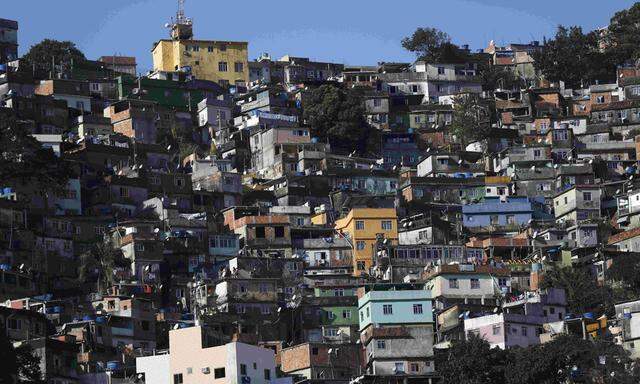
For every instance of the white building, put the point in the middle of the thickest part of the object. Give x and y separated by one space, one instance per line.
190 360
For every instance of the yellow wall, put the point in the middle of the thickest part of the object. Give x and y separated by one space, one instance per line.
372 218
167 54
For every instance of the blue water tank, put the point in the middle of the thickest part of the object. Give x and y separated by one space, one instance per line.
100 319
113 365
588 315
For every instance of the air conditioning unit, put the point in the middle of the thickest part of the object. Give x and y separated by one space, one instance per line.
206 370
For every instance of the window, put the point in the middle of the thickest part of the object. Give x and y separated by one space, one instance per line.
524 331
502 282
359 224
453 284
267 374
414 367
260 233
243 369
139 247
475 284
279 231
378 102
124 192
386 225
494 219
222 66
381 344
177 378
496 330
399 368
511 219
14 324
586 196
331 315
346 314
360 265
360 245
599 99
387 309
218 373
210 48
440 70
417 309
338 292
238 66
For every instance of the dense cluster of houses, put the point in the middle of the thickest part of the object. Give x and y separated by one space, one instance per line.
270 257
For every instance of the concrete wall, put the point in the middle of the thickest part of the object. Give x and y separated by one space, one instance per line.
156 369
488 286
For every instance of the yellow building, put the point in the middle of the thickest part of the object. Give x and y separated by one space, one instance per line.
225 62
363 226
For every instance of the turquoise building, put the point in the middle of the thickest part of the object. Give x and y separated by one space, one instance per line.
394 304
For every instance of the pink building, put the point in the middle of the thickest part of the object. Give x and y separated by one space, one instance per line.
191 360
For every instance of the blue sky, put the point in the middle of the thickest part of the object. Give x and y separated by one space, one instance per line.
346 31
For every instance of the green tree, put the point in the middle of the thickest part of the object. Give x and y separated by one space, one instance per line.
574 57
583 294
19 364
28 365
97 265
569 358
622 34
41 56
433 45
472 118
472 361
337 115
9 370
494 76
23 160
